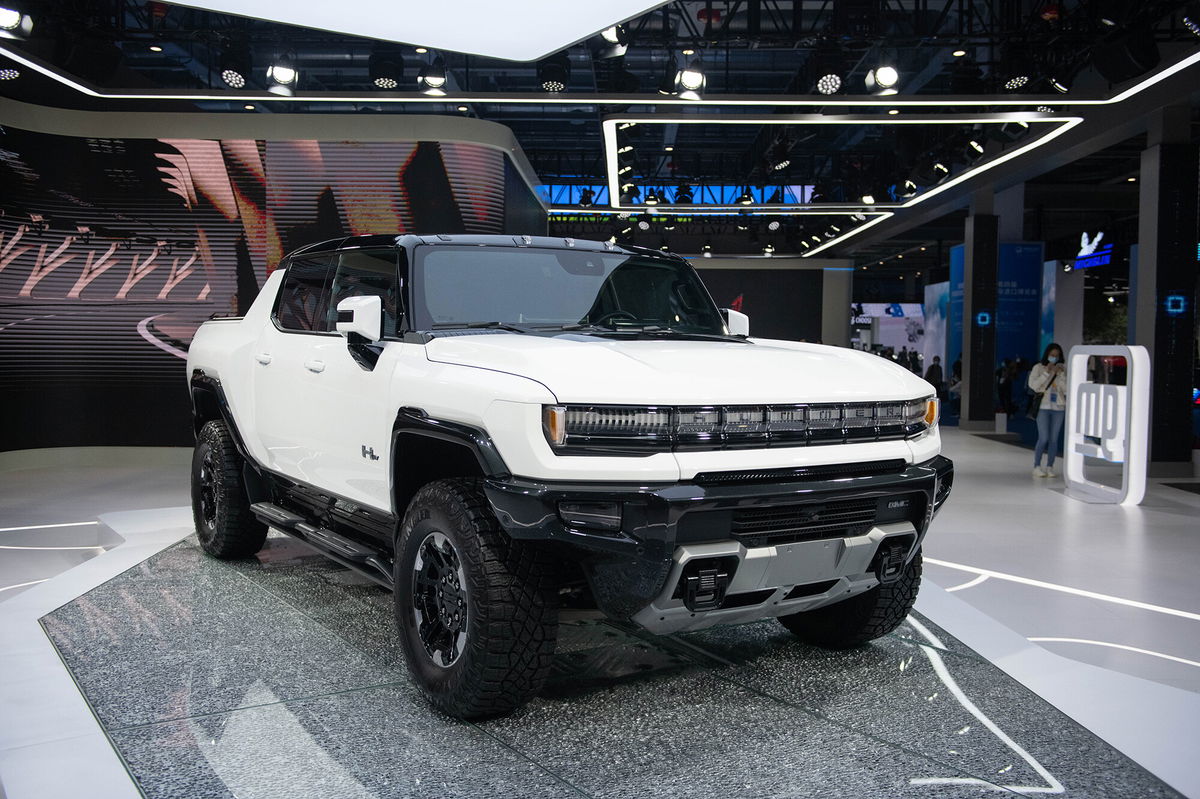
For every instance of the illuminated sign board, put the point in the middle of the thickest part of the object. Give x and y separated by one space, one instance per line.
1110 422
1092 252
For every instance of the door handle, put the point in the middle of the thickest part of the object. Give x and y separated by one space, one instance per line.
263 357
314 366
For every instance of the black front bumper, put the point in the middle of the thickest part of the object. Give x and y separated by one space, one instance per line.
628 567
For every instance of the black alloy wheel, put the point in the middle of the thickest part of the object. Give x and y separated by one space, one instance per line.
476 610
225 525
440 599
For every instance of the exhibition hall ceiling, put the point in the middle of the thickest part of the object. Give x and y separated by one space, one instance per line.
835 122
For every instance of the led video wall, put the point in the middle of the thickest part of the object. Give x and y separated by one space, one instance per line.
113 251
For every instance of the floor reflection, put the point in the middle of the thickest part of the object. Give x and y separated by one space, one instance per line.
282 676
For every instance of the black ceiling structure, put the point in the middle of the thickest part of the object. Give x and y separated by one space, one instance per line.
758 57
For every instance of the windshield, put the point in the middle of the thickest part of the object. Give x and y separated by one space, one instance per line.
538 288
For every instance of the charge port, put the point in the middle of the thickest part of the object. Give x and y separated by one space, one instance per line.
889 559
704 581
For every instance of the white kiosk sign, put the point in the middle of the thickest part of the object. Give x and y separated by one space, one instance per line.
1110 422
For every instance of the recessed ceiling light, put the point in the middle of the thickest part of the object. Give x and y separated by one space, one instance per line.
8 73
670 148
248 106
689 51
422 50
463 108
154 48
893 111
1131 180
959 53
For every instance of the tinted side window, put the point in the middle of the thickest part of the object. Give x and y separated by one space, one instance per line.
368 272
304 298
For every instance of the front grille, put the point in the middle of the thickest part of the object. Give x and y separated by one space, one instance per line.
832 471
785 524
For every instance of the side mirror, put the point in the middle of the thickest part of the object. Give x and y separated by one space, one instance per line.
362 315
736 321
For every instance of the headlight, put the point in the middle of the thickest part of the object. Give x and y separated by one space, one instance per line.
622 429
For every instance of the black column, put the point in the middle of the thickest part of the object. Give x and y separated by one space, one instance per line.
981 261
1175 304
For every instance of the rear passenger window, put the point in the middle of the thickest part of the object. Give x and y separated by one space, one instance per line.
304 298
368 272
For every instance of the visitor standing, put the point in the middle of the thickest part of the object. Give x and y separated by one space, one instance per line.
933 375
1049 379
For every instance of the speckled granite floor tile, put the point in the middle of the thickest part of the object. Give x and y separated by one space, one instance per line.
691 733
954 709
182 635
367 744
282 676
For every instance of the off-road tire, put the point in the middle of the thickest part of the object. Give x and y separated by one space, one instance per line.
511 621
224 524
854 621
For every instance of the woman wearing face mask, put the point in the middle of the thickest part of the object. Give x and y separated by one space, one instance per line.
1049 378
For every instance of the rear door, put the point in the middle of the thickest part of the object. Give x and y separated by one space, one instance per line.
287 369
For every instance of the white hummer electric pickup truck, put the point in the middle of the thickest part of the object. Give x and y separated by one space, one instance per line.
494 427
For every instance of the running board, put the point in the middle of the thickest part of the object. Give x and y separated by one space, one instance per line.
349 553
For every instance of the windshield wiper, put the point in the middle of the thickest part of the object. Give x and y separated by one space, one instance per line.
647 330
480 325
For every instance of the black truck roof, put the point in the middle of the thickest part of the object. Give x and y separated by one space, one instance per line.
476 240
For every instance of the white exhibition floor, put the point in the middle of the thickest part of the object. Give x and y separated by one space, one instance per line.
1010 560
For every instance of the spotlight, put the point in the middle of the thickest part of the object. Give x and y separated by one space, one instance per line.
155 48
8 73
1191 18
628 148
829 84
691 81
1016 82
683 195
706 251
804 243
868 198
612 42
908 188
664 247
431 79
235 65
883 79
773 225
386 69
554 73
644 222
283 76
651 198
586 198
746 199
779 156
625 170
1061 85
14 24
769 250
959 53
629 194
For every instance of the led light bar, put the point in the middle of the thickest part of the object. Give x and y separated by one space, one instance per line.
624 430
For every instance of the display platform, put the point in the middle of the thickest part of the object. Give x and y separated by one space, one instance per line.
282 676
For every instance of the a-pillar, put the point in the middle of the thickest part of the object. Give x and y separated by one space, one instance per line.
981 255
1162 286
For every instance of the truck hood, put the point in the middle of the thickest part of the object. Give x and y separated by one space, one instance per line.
590 369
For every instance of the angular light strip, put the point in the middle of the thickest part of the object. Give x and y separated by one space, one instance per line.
541 98
1062 125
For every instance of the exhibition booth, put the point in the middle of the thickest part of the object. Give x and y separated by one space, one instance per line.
641 374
